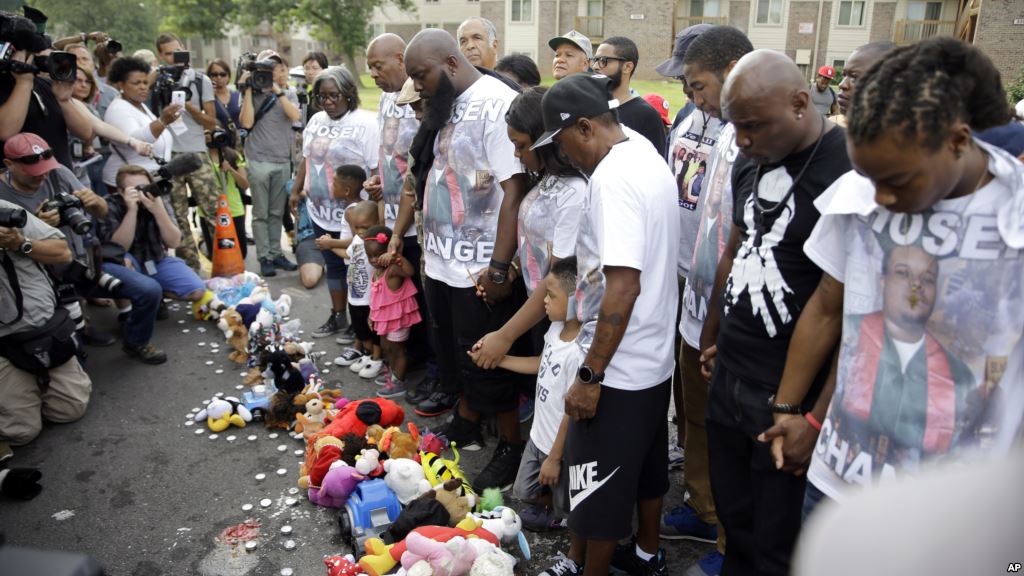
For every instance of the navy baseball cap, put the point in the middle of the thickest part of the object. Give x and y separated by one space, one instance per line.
673 67
581 95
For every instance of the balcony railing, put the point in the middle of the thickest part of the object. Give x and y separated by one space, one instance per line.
592 26
909 31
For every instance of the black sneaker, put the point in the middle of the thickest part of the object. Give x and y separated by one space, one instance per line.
267 268
422 391
501 471
93 336
436 404
563 566
336 322
162 313
145 352
465 435
625 559
284 263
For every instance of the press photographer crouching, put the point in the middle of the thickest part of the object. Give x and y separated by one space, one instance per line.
40 377
36 182
135 235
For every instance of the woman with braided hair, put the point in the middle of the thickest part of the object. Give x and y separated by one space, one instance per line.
920 303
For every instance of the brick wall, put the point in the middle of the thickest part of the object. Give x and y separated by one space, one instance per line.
999 38
739 14
494 10
800 12
653 34
547 28
882 21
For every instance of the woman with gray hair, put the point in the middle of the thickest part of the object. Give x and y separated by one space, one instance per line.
340 134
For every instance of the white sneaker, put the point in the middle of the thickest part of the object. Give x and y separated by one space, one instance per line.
348 357
371 368
359 363
676 458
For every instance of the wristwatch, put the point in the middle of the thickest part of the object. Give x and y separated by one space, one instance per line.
497 276
586 375
783 408
25 247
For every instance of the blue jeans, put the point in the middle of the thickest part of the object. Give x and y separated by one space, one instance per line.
812 497
145 294
173 275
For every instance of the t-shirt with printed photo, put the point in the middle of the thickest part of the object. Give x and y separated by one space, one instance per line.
472 157
714 209
559 364
398 126
629 220
771 278
692 142
359 273
549 217
933 313
327 144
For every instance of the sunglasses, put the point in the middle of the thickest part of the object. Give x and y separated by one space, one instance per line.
602 61
217 74
34 158
333 97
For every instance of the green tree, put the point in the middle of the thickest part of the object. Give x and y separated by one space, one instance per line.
134 23
343 24
205 18
1015 89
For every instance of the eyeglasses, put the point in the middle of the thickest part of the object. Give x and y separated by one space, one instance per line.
217 74
34 158
332 96
602 61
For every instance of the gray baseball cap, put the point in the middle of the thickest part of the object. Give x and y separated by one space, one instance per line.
673 67
575 38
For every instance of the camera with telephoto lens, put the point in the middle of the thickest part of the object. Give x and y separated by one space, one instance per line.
71 212
261 73
220 138
18 33
108 282
13 217
112 46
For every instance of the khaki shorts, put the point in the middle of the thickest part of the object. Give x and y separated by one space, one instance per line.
24 406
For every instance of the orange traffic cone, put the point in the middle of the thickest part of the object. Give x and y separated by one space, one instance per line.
227 256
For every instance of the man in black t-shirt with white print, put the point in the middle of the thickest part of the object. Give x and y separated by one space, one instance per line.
790 154
617 58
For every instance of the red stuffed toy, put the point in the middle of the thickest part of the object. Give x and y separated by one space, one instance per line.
339 565
357 416
328 455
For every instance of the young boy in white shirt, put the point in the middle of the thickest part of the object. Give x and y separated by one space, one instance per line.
540 481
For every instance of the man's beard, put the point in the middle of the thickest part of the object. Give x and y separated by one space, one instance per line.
440 104
616 79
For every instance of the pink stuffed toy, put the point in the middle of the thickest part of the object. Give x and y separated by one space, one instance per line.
338 484
452 558
339 565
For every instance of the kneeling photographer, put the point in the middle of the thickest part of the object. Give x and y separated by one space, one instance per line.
36 182
40 377
135 235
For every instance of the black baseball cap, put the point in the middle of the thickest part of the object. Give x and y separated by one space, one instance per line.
581 95
673 67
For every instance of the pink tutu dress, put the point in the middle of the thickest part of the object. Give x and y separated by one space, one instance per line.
392 311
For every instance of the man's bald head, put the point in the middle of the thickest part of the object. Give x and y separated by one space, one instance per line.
432 43
766 99
385 58
857 64
433 53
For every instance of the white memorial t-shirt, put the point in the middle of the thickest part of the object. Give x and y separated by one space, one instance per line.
559 363
549 217
398 126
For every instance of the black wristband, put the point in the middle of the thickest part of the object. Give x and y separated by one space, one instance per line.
499 266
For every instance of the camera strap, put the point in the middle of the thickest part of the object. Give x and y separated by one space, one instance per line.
265 107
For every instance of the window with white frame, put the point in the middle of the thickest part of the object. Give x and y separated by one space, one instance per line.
769 12
702 8
851 12
522 10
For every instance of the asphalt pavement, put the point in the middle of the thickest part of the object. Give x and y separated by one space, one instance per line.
136 487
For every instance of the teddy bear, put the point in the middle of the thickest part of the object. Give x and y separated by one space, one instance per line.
236 334
398 444
338 484
457 505
222 412
373 435
368 463
313 420
405 478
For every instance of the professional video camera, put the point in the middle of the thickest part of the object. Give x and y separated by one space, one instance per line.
261 73
18 33
13 217
179 166
71 212
174 77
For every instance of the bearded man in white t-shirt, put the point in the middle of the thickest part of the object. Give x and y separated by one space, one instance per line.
471 196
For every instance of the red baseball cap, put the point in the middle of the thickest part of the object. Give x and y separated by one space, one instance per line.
28 146
661 105
827 71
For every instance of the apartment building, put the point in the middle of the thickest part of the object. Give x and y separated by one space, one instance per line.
812 32
293 46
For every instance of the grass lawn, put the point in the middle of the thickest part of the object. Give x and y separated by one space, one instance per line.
670 90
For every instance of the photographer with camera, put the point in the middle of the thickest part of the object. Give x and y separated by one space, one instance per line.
268 110
39 374
176 78
229 169
137 232
35 88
